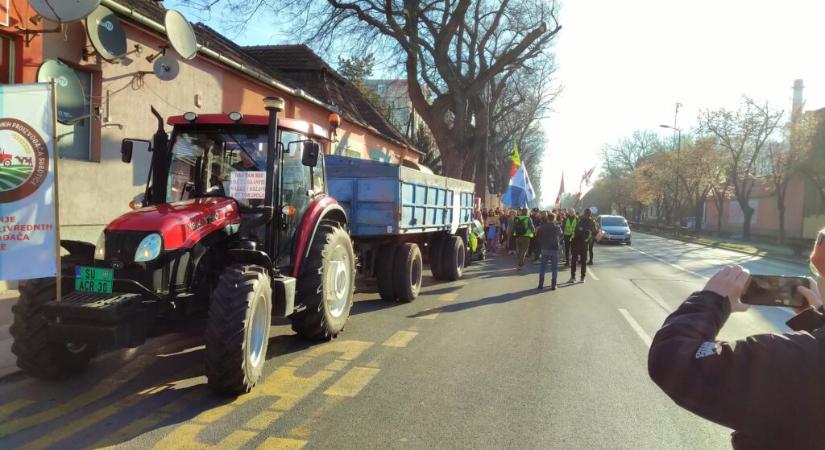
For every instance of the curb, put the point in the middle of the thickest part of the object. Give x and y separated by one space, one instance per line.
762 254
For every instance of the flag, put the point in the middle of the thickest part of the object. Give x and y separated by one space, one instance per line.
516 160
588 174
561 191
520 192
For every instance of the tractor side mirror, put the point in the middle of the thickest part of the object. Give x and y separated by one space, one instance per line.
310 155
127 147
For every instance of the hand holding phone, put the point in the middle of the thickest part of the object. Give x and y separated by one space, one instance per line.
775 290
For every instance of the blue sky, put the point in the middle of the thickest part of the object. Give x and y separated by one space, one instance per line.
624 65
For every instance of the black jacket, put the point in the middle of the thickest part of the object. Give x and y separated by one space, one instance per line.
549 236
768 387
585 230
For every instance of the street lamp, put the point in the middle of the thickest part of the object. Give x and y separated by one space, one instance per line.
678 158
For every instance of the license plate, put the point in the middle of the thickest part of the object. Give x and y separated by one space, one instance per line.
93 279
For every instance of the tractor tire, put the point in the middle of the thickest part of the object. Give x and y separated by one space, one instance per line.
326 287
385 274
453 256
409 270
237 332
37 356
435 257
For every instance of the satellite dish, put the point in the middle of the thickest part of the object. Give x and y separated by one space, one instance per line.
71 103
64 10
166 68
106 34
181 35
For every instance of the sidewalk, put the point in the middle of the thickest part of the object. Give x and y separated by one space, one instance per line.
765 250
7 360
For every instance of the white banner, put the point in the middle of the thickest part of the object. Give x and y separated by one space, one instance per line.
247 185
27 196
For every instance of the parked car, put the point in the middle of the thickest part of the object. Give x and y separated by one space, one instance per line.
615 229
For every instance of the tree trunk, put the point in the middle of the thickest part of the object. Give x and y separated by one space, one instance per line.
720 210
746 227
699 215
780 207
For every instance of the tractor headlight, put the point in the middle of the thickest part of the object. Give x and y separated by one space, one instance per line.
100 247
149 248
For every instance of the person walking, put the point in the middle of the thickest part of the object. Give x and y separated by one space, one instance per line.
585 231
523 231
569 226
549 237
592 243
511 237
493 228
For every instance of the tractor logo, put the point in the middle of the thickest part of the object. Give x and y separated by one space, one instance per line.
24 160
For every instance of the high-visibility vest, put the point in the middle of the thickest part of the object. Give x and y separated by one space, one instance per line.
570 226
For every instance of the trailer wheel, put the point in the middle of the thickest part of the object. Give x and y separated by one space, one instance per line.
453 256
37 356
435 258
327 286
237 332
409 270
385 274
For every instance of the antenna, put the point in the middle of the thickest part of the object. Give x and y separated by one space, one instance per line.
60 11
181 35
166 68
71 103
106 34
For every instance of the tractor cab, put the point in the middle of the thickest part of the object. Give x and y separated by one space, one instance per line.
234 226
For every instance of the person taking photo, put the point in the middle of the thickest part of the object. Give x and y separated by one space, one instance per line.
768 388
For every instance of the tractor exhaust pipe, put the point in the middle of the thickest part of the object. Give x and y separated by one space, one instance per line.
273 105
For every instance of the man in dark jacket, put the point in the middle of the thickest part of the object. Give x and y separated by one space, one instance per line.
548 238
585 231
769 388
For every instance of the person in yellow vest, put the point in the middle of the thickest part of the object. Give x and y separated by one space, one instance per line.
523 231
568 225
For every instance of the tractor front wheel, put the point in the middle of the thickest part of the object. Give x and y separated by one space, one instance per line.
37 356
327 285
237 333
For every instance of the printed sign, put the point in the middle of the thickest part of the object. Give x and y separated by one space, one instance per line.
27 197
247 185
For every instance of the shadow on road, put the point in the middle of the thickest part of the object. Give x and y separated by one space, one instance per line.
457 307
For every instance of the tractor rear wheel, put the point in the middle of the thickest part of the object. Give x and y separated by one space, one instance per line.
384 273
237 333
408 272
327 285
37 356
453 256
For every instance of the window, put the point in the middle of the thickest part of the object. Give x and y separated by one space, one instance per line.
7 56
74 140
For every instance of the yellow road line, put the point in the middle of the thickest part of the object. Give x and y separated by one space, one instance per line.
13 406
352 382
448 297
430 316
263 420
282 444
304 429
400 339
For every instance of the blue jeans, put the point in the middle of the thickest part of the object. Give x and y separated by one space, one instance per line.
552 257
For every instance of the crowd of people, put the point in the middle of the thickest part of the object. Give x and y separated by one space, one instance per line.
544 236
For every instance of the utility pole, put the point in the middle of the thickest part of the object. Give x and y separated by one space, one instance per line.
678 131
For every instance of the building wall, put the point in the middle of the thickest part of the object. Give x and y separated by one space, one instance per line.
765 221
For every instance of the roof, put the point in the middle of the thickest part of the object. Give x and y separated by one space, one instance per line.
308 71
296 66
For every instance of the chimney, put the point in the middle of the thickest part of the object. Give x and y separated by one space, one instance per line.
797 98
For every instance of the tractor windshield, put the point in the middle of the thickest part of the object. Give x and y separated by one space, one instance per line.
203 161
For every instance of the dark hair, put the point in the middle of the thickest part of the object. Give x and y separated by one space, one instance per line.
551 217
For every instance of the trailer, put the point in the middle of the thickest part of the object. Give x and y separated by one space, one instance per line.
400 218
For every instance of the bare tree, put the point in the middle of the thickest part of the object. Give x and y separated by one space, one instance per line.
451 49
743 134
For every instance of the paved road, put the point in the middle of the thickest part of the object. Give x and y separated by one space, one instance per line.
487 362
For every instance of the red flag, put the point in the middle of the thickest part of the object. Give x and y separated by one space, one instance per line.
561 191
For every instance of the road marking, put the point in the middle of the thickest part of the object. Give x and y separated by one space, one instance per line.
658 302
636 327
675 266
400 339
282 444
352 382
428 316
13 406
592 274
448 297
304 429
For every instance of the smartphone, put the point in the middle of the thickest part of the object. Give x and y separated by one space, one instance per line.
775 290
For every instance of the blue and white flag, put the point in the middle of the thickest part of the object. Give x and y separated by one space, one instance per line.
520 192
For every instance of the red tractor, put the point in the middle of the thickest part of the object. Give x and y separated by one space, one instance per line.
236 228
